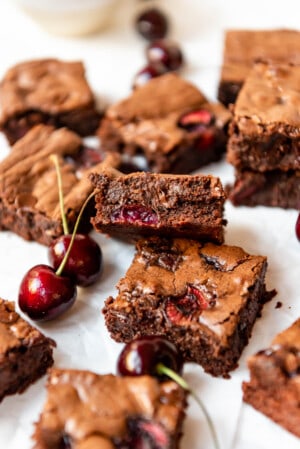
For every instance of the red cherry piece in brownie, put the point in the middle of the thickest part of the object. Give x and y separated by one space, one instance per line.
186 307
194 120
134 214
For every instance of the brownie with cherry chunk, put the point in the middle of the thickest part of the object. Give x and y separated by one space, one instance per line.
141 204
87 410
29 199
242 48
46 91
274 385
168 121
204 298
264 142
25 353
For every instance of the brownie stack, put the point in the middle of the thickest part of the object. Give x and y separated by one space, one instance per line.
264 142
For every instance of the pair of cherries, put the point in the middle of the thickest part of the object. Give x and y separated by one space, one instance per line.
162 55
76 260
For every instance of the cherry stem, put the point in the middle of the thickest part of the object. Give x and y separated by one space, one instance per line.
64 261
54 159
164 370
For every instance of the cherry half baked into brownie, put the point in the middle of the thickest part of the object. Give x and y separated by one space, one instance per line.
274 385
25 353
170 122
86 410
204 298
142 204
46 91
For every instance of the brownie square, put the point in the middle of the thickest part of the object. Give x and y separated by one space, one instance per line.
170 122
203 297
264 143
274 385
25 353
141 204
86 410
29 201
46 91
244 47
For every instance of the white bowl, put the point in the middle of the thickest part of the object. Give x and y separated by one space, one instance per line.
70 17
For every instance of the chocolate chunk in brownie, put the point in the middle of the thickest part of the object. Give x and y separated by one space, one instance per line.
46 91
29 201
264 143
170 122
141 204
86 410
204 298
244 47
274 385
25 353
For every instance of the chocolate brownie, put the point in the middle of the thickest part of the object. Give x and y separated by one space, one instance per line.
25 353
244 47
170 122
264 143
203 297
46 91
141 204
274 385
29 204
86 410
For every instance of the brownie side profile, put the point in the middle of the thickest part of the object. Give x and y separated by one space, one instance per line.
46 91
25 353
204 298
275 189
244 47
29 201
86 410
265 130
169 122
141 204
274 385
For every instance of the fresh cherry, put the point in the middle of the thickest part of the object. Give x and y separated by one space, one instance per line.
142 356
157 356
165 53
146 74
84 262
297 228
152 24
43 295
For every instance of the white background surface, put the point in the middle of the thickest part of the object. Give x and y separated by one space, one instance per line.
112 58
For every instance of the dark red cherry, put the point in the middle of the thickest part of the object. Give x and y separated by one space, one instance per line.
43 295
142 355
298 227
152 24
165 53
134 213
84 263
146 74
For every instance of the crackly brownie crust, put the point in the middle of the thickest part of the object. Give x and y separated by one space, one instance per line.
150 122
275 189
141 204
86 410
25 353
244 47
203 297
46 91
29 204
265 130
274 385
